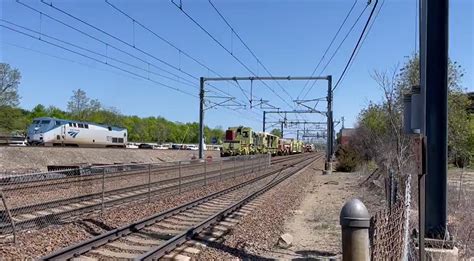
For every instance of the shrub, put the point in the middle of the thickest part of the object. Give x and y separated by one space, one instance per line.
347 158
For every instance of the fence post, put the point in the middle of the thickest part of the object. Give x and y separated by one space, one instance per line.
9 214
205 172
235 159
149 182
220 169
179 177
355 223
103 192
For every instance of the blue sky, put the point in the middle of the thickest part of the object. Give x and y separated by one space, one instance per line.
289 37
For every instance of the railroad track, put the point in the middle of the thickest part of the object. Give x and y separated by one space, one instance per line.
156 236
44 214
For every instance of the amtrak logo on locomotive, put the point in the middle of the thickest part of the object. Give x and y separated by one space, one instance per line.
73 133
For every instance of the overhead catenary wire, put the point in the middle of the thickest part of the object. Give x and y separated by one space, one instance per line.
94 52
329 46
367 34
168 42
338 48
97 60
128 73
107 44
226 49
357 45
247 47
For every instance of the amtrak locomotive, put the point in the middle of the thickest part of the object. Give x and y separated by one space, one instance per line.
48 131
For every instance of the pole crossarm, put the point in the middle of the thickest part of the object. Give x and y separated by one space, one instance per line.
298 111
262 78
262 103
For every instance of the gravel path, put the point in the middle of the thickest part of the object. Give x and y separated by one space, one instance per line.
306 206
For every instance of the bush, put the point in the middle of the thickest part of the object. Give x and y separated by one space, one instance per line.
347 158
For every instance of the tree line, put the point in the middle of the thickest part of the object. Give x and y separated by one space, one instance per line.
15 120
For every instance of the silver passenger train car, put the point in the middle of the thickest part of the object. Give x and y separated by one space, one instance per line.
48 131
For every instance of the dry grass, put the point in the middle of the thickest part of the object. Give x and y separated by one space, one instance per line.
461 210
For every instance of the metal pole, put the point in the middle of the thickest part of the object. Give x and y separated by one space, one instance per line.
201 117
330 120
235 158
281 129
103 191
179 177
9 214
329 141
149 182
205 171
422 175
355 223
297 134
220 169
436 118
264 118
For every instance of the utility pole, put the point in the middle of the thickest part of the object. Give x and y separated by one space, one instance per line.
264 118
436 91
330 126
281 129
201 117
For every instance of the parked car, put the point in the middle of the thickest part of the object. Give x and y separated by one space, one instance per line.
145 146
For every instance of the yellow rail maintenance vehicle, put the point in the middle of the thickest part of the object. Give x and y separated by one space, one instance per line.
238 141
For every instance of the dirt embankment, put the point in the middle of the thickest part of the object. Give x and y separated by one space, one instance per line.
20 159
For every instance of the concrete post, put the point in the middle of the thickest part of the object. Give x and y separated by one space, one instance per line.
355 223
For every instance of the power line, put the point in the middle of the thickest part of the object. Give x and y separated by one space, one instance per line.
247 47
169 43
337 48
357 45
329 46
97 60
107 44
116 48
94 52
367 34
225 48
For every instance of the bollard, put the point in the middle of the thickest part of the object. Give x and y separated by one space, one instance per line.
355 223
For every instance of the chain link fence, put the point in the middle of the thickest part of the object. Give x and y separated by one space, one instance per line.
40 199
389 227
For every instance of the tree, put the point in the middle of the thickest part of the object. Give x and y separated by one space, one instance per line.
9 81
276 132
78 104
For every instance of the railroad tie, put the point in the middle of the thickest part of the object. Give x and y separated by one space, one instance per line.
112 254
142 240
125 246
177 257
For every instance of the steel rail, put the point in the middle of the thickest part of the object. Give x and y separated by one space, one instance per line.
178 240
85 246
43 220
23 179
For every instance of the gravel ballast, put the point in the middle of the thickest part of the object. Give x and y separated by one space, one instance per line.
282 209
37 243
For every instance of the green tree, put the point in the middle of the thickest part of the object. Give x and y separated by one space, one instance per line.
276 132
9 81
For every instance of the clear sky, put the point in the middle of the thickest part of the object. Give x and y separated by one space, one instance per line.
289 37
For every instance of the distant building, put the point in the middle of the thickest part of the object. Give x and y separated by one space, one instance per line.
346 134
